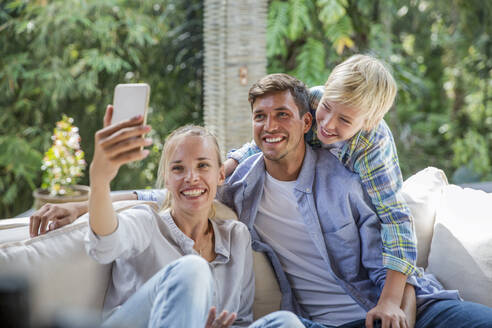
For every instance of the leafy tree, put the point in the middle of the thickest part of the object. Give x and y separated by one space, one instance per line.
66 57
440 55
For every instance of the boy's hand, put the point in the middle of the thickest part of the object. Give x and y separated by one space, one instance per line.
224 320
229 166
390 314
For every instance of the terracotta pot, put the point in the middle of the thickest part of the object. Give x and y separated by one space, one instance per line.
42 196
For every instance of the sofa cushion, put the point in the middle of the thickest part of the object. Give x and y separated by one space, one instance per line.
422 192
58 270
461 250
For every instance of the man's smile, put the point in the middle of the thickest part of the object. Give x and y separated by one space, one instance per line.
272 140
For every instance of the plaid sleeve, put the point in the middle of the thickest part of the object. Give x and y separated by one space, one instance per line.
378 167
247 150
154 195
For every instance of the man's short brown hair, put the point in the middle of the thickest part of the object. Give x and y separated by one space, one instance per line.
281 82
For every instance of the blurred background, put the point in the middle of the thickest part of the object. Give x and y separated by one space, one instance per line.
65 57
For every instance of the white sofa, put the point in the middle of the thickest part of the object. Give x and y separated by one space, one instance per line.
453 227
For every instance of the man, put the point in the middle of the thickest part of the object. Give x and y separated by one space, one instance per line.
316 225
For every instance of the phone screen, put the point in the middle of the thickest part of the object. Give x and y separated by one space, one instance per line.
129 101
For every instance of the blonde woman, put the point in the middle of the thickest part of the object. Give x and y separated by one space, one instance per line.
174 268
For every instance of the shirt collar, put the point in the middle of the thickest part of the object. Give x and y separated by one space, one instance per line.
222 232
305 178
183 241
222 235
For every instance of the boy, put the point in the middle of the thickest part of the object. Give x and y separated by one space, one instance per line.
349 115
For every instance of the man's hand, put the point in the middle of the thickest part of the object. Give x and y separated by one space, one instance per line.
224 320
391 316
53 216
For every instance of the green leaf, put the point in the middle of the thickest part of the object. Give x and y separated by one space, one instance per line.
300 21
342 28
278 20
311 67
20 159
10 195
331 11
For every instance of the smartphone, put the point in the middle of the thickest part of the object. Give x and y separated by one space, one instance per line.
129 101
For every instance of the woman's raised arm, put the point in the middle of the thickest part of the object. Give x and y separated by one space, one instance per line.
114 145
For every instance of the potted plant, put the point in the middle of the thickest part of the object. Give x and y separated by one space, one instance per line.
63 165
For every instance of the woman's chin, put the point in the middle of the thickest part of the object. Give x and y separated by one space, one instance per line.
195 206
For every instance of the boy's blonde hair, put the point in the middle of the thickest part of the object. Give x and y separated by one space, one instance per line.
170 146
363 82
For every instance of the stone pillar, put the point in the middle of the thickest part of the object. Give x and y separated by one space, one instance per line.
235 57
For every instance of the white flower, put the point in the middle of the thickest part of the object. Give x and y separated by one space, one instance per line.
30 26
73 142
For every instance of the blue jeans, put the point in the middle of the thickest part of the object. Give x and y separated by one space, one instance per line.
180 295
456 314
354 324
440 314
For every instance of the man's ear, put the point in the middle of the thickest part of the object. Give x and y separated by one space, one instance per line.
222 175
307 119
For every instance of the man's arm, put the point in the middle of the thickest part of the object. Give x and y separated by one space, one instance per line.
53 216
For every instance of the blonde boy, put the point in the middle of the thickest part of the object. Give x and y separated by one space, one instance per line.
349 113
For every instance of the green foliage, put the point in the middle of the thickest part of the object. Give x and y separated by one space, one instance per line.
19 167
472 149
278 20
63 164
67 56
440 52
331 12
299 19
311 68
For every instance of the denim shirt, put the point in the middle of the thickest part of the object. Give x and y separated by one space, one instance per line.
340 219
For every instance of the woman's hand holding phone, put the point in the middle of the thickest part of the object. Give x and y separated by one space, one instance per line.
118 144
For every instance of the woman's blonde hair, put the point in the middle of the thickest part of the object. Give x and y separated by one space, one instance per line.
363 82
169 147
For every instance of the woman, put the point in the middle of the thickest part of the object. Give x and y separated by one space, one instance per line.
172 268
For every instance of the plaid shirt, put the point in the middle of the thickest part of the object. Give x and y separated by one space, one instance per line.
372 155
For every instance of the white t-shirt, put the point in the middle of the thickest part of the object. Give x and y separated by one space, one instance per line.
279 224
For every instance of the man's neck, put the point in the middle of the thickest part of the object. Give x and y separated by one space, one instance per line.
288 168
